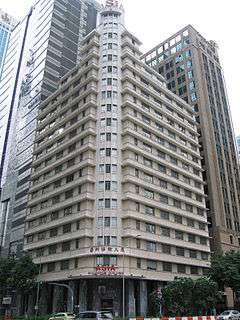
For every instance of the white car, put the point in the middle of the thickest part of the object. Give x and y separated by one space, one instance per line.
62 316
229 315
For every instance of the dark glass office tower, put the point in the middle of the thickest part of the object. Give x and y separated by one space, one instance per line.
51 48
191 66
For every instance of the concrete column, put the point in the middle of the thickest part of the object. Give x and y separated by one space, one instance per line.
143 298
82 295
130 312
57 303
31 304
19 304
43 300
69 302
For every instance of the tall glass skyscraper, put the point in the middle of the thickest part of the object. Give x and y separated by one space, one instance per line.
42 49
7 23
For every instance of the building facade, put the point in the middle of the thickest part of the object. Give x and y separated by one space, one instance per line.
7 23
47 48
191 66
116 205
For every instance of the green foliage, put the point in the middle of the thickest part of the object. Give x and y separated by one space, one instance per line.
225 270
6 267
206 294
185 296
154 303
17 274
177 296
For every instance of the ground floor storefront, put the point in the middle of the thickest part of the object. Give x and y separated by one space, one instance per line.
95 294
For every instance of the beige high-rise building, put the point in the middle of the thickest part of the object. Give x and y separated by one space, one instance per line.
116 206
192 69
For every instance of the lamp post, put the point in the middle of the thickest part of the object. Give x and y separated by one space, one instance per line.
38 290
70 290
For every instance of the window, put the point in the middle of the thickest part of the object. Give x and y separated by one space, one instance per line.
106 260
189 207
178 235
138 243
201 226
67 211
190 223
180 251
67 228
149 210
148 194
138 225
70 178
167 266
107 203
193 270
181 268
177 218
54 215
147 162
193 254
66 246
114 203
200 212
204 255
162 168
173 160
164 215
151 246
166 248
203 241
175 188
163 183
150 228
64 265
174 174
53 232
188 193
51 266
138 263
191 238
68 194
163 199
165 232
151 265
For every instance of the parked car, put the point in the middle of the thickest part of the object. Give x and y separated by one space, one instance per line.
62 316
95 315
229 315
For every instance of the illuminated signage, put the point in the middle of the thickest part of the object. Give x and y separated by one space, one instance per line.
107 270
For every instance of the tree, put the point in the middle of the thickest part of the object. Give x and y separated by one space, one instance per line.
6 267
206 295
17 274
225 270
177 296
185 296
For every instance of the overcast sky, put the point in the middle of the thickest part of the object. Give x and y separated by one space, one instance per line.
154 20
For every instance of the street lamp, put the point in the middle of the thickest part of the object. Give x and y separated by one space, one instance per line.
70 290
38 290
123 280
